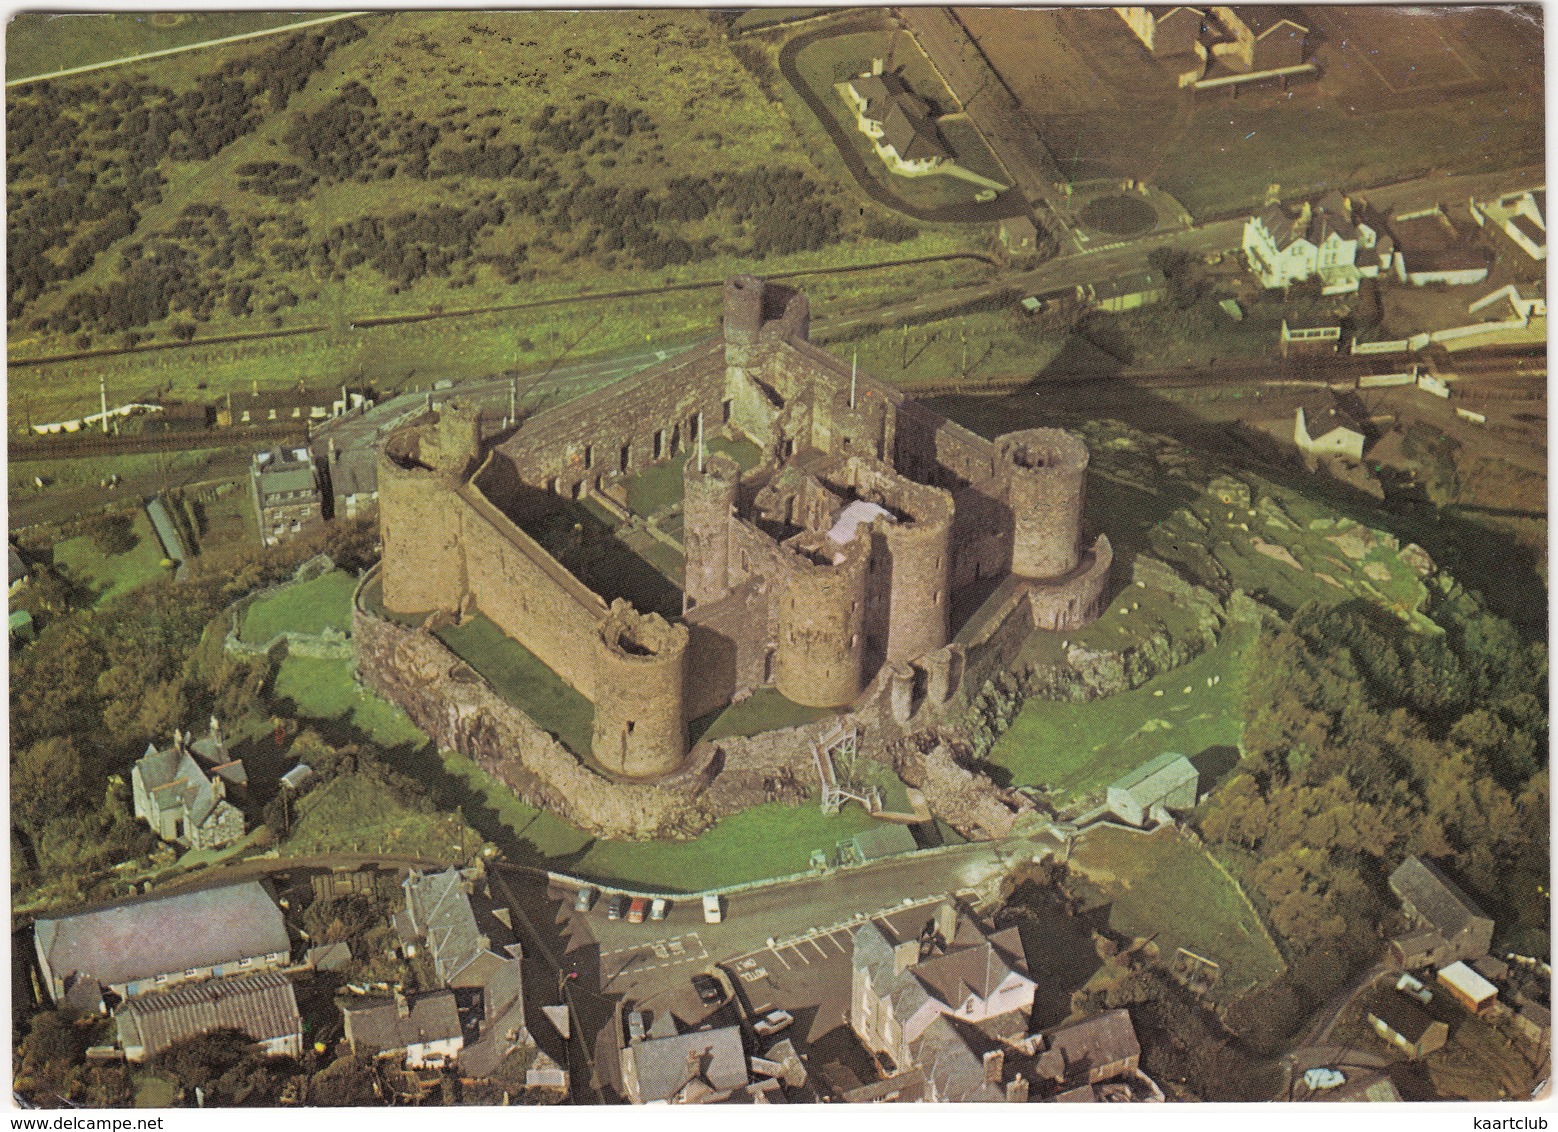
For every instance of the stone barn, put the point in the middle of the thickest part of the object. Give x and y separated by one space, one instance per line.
1154 789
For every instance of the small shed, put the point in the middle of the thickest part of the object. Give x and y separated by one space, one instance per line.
1168 782
1468 988
1323 428
884 839
1126 292
1019 235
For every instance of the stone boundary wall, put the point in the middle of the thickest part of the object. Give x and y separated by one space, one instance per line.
449 700
331 644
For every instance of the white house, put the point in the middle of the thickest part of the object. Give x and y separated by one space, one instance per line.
897 121
1522 216
1321 240
1322 429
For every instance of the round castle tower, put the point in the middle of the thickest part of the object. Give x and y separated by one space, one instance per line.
1046 479
743 319
821 611
640 673
708 502
418 466
919 549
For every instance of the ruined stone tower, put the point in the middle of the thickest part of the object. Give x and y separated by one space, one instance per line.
708 502
419 467
821 611
1046 476
919 557
640 674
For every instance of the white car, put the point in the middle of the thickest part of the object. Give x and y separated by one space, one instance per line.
711 909
772 1022
659 908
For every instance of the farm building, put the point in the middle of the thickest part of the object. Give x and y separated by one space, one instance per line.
262 1005
1406 1025
1139 289
1432 902
1429 249
1148 793
1522 216
1468 988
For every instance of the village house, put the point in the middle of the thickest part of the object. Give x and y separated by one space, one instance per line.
1322 427
897 121
698 1067
439 922
1176 37
181 791
1222 45
138 946
1522 216
1403 1023
1447 924
425 1028
1321 240
1153 790
1429 249
1094 1050
352 476
903 983
263 1006
1259 38
284 489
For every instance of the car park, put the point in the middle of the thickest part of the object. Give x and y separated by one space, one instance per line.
712 913
584 898
659 908
709 989
617 906
772 1022
637 909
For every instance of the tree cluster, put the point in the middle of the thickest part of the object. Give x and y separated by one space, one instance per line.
1365 743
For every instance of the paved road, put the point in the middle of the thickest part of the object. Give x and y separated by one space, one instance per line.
1326 1022
187 47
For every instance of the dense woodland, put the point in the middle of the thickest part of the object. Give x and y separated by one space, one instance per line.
1364 743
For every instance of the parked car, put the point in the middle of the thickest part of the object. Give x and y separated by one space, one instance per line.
709 989
637 909
585 898
617 906
711 909
772 1022
659 908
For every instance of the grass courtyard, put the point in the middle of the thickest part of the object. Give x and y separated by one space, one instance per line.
1163 886
310 607
1076 749
112 575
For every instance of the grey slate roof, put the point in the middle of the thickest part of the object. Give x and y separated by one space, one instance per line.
951 1055
1401 1014
438 909
375 1024
1077 1050
160 935
665 1064
261 1005
1435 897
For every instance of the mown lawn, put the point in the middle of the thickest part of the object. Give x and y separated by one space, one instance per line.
764 710
324 689
311 607
1074 749
1163 885
520 677
119 573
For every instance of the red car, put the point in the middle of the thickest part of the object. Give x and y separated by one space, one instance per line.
637 909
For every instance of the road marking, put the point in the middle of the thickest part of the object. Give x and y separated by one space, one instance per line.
779 957
818 946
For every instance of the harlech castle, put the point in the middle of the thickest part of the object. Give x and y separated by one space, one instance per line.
829 569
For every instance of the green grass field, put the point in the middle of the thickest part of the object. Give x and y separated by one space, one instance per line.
1163 886
764 710
38 43
324 689
522 679
118 574
656 488
351 814
311 607
1075 749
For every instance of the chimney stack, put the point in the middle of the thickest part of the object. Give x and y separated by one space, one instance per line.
402 1007
995 1065
1017 1090
905 955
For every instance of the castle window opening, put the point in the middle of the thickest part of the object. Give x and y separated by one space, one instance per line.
676 439
551 484
626 456
631 725
659 443
725 411
578 490
589 456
